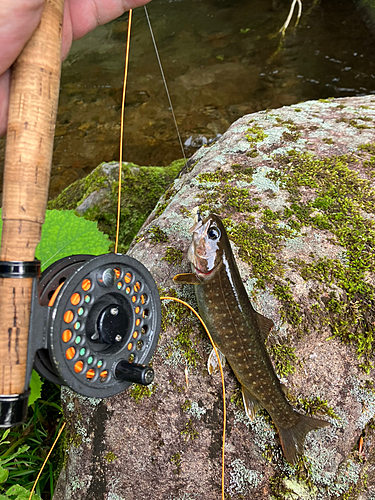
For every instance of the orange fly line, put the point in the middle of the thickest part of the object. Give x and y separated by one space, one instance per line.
161 298
222 382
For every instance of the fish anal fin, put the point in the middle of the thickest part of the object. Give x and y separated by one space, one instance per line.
212 363
293 438
284 389
265 324
251 404
187 279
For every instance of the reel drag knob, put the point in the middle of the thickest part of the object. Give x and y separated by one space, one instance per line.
132 372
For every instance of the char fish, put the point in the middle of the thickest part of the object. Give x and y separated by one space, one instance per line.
239 333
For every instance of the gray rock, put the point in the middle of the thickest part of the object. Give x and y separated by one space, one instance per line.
296 189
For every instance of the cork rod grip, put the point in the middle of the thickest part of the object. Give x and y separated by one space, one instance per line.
34 93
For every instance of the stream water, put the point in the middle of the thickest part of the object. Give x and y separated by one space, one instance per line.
222 59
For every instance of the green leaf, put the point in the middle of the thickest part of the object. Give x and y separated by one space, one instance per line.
16 489
65 234
21 449
35 387
4 436
3 497
4 473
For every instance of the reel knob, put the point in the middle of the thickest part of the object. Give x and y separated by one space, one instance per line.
139 374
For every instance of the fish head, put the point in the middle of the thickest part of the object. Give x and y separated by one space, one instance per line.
207 247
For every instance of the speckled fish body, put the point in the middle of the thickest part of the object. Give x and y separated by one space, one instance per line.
240 332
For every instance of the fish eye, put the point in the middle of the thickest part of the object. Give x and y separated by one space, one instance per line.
214 233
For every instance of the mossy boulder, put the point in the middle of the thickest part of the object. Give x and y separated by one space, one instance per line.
295 188
95 197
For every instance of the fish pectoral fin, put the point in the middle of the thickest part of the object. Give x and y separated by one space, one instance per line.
251 404
212 363
187 279
265 324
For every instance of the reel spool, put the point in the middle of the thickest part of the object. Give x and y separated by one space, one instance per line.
101 325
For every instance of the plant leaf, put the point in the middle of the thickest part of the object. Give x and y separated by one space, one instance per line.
4 473
65 234
20 450
16 489
4 436
35 387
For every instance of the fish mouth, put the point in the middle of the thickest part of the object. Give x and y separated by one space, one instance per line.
203 273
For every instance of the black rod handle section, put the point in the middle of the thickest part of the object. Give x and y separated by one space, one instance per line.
132 372
13 409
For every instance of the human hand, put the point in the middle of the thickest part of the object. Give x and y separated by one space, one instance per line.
20 18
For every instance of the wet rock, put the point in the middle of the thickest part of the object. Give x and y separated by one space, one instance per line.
295 187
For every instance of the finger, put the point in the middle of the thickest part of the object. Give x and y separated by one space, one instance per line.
4 101
86 15
18 21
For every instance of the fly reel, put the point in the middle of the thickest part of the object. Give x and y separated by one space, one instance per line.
101 319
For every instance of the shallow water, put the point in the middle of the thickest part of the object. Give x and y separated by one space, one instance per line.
222 59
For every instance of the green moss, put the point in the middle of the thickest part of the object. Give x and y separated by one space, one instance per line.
164 201
189 432
291 310
340 199
176 461
186 405
258 248
316 405
236 398
354 122
181 345
110 457
285 358
255 134
141 189
253 153
157 235
173 256
138 392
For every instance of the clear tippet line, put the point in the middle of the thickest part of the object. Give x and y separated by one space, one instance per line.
165 83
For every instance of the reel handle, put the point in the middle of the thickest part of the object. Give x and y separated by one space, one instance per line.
34 93
135 373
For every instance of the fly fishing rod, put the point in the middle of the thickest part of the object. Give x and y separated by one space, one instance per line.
89 322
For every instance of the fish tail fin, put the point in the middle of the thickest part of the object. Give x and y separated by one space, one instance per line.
293 438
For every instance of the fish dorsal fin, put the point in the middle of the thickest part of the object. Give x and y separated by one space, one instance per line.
265 325
212 364
187 279
251 404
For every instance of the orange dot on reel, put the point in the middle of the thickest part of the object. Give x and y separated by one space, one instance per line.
70 353
128 277
104 374
75 299
68 316
78 367
66 335
86 285
90 374
130 345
